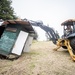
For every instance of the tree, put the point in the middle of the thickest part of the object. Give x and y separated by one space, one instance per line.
57 34
6 11
35 35
48 36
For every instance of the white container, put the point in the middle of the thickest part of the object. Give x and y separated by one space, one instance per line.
28 44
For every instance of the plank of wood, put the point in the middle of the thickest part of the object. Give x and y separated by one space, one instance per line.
19 44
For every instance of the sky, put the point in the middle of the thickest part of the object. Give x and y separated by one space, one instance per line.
51 12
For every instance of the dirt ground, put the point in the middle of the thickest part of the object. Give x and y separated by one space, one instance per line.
41 60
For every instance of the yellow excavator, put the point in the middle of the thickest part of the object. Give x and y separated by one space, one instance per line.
68 38
67 41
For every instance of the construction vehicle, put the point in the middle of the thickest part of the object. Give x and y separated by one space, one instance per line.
68 38
67 41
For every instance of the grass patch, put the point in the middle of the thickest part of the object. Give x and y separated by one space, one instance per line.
31 53
32 66
34 53
34 41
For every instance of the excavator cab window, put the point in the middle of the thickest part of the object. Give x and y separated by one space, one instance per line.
68 29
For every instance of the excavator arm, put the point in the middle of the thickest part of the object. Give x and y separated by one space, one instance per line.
51 33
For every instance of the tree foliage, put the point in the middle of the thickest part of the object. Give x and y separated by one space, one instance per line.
35 35
6 11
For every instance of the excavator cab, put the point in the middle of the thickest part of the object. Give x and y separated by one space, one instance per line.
68 39
69 28
69 32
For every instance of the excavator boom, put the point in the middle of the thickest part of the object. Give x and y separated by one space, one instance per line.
50 31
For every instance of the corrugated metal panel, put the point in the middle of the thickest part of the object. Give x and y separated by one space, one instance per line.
25 24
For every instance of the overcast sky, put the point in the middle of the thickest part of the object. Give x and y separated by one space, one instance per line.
52 12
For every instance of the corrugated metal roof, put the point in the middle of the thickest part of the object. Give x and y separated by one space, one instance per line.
25 24
68 22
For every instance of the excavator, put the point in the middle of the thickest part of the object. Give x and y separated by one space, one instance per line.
67 41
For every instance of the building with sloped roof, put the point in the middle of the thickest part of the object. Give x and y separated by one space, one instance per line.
15 37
